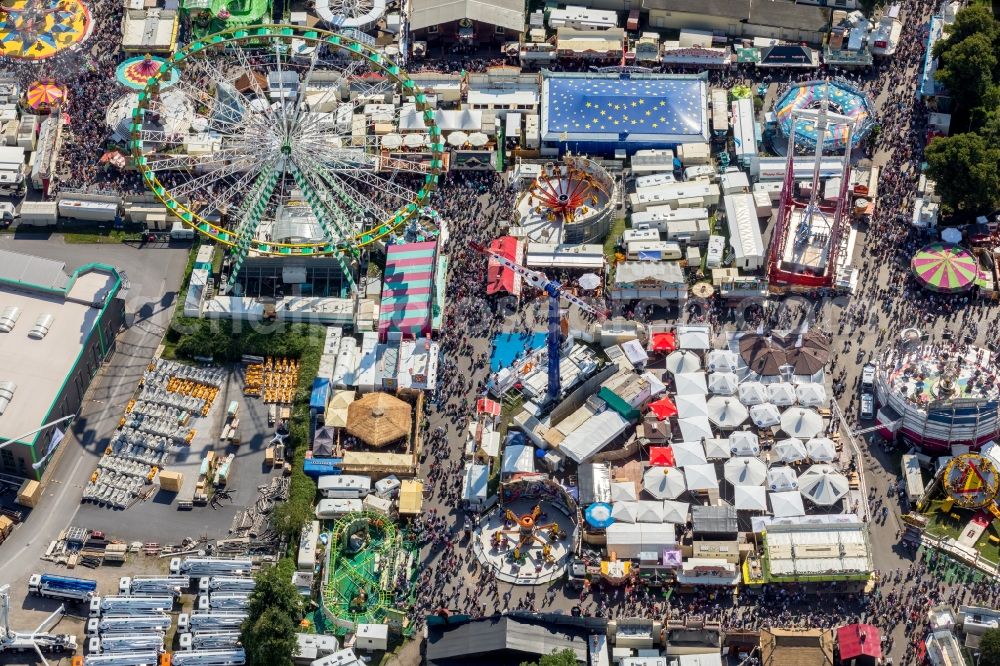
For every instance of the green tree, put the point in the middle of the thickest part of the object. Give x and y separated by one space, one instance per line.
868 6
989 648
290 517
967 171
270 640
563 658
974 19
274 589
966 69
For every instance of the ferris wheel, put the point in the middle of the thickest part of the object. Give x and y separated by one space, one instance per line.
282 141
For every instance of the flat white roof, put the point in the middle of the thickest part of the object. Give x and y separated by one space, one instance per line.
40 367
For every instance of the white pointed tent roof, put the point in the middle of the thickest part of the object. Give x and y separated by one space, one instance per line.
745 471
701 477
787 504
726 412
683 361
744 443
801 422
823 484
753 393
723 383
821 449
781 479
750 498
664 482
781 393
688 453
765 415
790 450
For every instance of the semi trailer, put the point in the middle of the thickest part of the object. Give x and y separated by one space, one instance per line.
157 585
62 587
125 624
119 605
199 567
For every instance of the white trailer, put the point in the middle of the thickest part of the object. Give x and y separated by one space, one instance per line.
117 643
209 641
118 605
126 659
235 657
225 601
158 585
125 624
226 584
200 623
199 567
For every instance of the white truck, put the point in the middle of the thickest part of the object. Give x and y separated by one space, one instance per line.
153 585
200 623
126 624
119 605
62 587
224 601
226 584
199 567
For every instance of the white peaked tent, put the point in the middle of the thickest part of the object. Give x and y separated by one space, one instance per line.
650 511
691 405
823 484
811 394
683 361
801 422
723 360
688 453
701 477
745 471
787 505
780 479
753 393
717 449
664 482
750 498
726 412
623 491
695 429
744 443
765 415
781 393
790 450
723 383
821 449
688 383
675 512
624 512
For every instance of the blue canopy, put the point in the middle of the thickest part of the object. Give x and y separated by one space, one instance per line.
598 515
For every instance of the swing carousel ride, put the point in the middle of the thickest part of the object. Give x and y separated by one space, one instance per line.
973 482
527 531
568 202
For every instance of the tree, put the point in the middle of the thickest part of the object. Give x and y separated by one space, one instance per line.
270 641
974 19
563 658
290 517
966 69
989 648
275 608
966 169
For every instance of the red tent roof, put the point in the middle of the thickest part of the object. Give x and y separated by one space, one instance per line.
859 640
664 342
487 406
664 408
498 278
661 456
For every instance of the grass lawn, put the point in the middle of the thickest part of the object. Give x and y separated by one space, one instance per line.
617 229
942 524
90 238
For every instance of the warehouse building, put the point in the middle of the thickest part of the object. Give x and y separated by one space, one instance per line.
60 329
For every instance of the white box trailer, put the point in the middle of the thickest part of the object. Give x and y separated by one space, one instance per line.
39 213
658 217
344 486
306 560
329 509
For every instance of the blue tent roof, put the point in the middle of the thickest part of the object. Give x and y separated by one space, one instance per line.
669 109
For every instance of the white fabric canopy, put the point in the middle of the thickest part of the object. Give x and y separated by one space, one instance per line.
691 405
688 383
675 512
650 511
780 479
701 477
682 361
751 498
623 491
781 394
695 428
415 140
821 449
790 450
716 448
745 471
392 141
765 415
518 458
787 505
723 383
478 139
823 484
743 443
688 453
726 412
664 482
458 139
753 393
589 281
811 394
723 360
801 422
624 512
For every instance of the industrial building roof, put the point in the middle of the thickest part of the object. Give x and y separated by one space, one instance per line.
778 13
39 368
500 640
